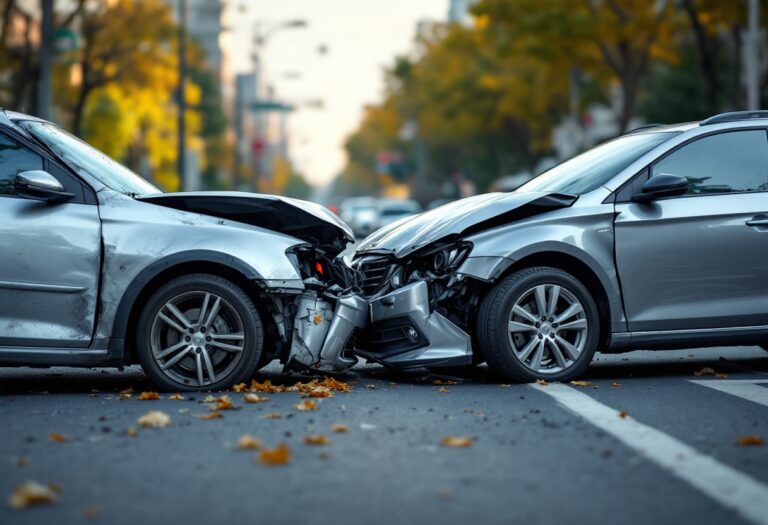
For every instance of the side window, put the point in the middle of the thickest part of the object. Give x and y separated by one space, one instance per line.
15 157
734 161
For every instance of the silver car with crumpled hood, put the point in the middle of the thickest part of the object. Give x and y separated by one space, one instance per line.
656 239
99 268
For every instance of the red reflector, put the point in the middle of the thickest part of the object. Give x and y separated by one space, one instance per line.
319 268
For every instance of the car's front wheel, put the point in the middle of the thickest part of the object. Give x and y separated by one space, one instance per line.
539 323
199 332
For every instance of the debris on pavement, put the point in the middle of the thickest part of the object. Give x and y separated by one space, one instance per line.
317 439
339 428
248 442
57 437
154 419
31 493
281 455
148 396
750 441
456 442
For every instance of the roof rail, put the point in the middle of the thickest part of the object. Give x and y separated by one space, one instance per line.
734 116
644 126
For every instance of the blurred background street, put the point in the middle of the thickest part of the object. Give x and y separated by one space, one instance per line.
427 100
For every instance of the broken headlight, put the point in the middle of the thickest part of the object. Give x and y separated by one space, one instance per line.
441 260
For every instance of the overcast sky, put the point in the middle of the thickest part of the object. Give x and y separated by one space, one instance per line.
362 36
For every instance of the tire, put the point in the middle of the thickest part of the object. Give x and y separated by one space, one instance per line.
513 344
181 352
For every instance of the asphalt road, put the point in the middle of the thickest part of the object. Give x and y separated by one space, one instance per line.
540 454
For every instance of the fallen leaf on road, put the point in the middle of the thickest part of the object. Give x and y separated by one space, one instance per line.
248 442
335 384
132 432
266 386
148 396
623 414
240 387
209 399
319 392
444 382
271 415
721 376
443 389
305 405
582 383
706 371
280 455
542 382
254 398
176 397
456 442
57 437
616 385
221 403
22 461
127 392
210 415
505 386
750 441
91 512
372 387
32 493
339 428
317 439
154 419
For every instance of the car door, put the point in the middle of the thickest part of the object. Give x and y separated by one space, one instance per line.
700 260
49 257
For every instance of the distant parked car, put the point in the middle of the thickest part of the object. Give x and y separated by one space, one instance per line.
656 239
392 210
361 213
99 268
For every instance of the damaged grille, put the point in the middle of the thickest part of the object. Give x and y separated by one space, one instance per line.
375 271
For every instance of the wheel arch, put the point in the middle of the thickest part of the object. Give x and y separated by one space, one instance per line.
151 278
582 271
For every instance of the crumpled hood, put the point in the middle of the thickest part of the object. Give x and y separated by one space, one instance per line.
460 218
304 220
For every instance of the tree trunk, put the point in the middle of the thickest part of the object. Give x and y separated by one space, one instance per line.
707 50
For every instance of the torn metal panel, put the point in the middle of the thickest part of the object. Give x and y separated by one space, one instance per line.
321 332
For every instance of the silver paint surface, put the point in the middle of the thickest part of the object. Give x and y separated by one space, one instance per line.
448 345
49 272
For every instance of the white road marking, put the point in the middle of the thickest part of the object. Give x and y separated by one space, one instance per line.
748 389
730 488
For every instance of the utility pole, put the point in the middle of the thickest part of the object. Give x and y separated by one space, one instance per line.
752 58
46 59
182 146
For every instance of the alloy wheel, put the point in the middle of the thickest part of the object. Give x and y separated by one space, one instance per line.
547 328
197 338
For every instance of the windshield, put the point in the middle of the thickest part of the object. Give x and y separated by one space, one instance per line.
80 156
595 167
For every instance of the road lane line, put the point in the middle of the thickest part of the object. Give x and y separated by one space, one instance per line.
748 389
730 488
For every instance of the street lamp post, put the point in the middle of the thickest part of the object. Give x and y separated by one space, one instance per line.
182 106
752 58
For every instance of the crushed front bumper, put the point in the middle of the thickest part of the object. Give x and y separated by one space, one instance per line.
403 333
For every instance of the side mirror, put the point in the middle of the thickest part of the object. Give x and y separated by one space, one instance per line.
41 185
662 185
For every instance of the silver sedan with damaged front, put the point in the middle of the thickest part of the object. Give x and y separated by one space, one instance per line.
100 268
657 239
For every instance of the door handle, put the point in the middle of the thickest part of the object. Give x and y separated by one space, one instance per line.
760 220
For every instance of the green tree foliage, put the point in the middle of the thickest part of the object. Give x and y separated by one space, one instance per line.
484 99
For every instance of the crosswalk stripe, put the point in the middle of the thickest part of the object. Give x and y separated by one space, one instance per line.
748 389
732 489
